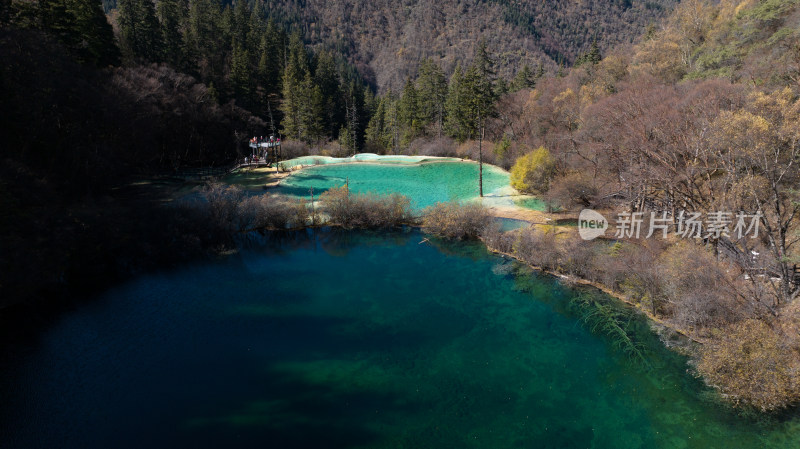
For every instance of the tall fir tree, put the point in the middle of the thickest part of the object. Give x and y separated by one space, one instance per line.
172 17
480 81
355 117
241 23
457 119
271 57
481 100
257 26
140 32
302 105
326 77
95 37
311 127
524 79
409 111
432 89
376 135
290 106
591 56
55 18
204 41
240 75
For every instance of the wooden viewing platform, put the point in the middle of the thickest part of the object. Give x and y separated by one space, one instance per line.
264 151
251 163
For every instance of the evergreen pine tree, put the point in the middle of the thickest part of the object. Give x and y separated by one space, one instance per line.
241 23
204 40
409 112
270 60
56 19
524 79
376 134
539 71
481 100
592 56
240 74
326 77
172 16
310 111
432 87
140 32
391 124
257 26
93 37
455 107
294 76
481 85
354 112
290 106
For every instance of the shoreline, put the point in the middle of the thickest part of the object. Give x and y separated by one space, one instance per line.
534 217
531 216
604 288
275 178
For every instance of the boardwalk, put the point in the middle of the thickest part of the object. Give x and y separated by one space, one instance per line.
264 152
251 164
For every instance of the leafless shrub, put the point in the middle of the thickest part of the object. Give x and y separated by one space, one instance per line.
222 202
640 279
471 149
365 210
272 212
456 221
576 189
302 213
580 258
498 240
538 248
443 146
753 364
334 148
697 287
612 271
295 148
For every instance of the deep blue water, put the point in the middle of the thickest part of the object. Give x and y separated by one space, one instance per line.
348 339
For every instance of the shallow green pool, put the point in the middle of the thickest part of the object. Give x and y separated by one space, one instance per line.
364 157
353 340
531 203
424 184
425 180
511 224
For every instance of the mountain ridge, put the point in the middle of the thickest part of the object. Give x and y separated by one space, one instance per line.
386 41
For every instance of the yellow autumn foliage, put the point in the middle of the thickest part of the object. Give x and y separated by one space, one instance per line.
532 172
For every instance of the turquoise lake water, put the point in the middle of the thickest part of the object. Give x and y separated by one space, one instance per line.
424 180
424 184
364 157
511 224
353 340
531 203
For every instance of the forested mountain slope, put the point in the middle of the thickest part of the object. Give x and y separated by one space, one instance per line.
750 41
387 39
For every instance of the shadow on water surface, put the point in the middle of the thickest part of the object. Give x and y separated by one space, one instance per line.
297 191
388 343
305 401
